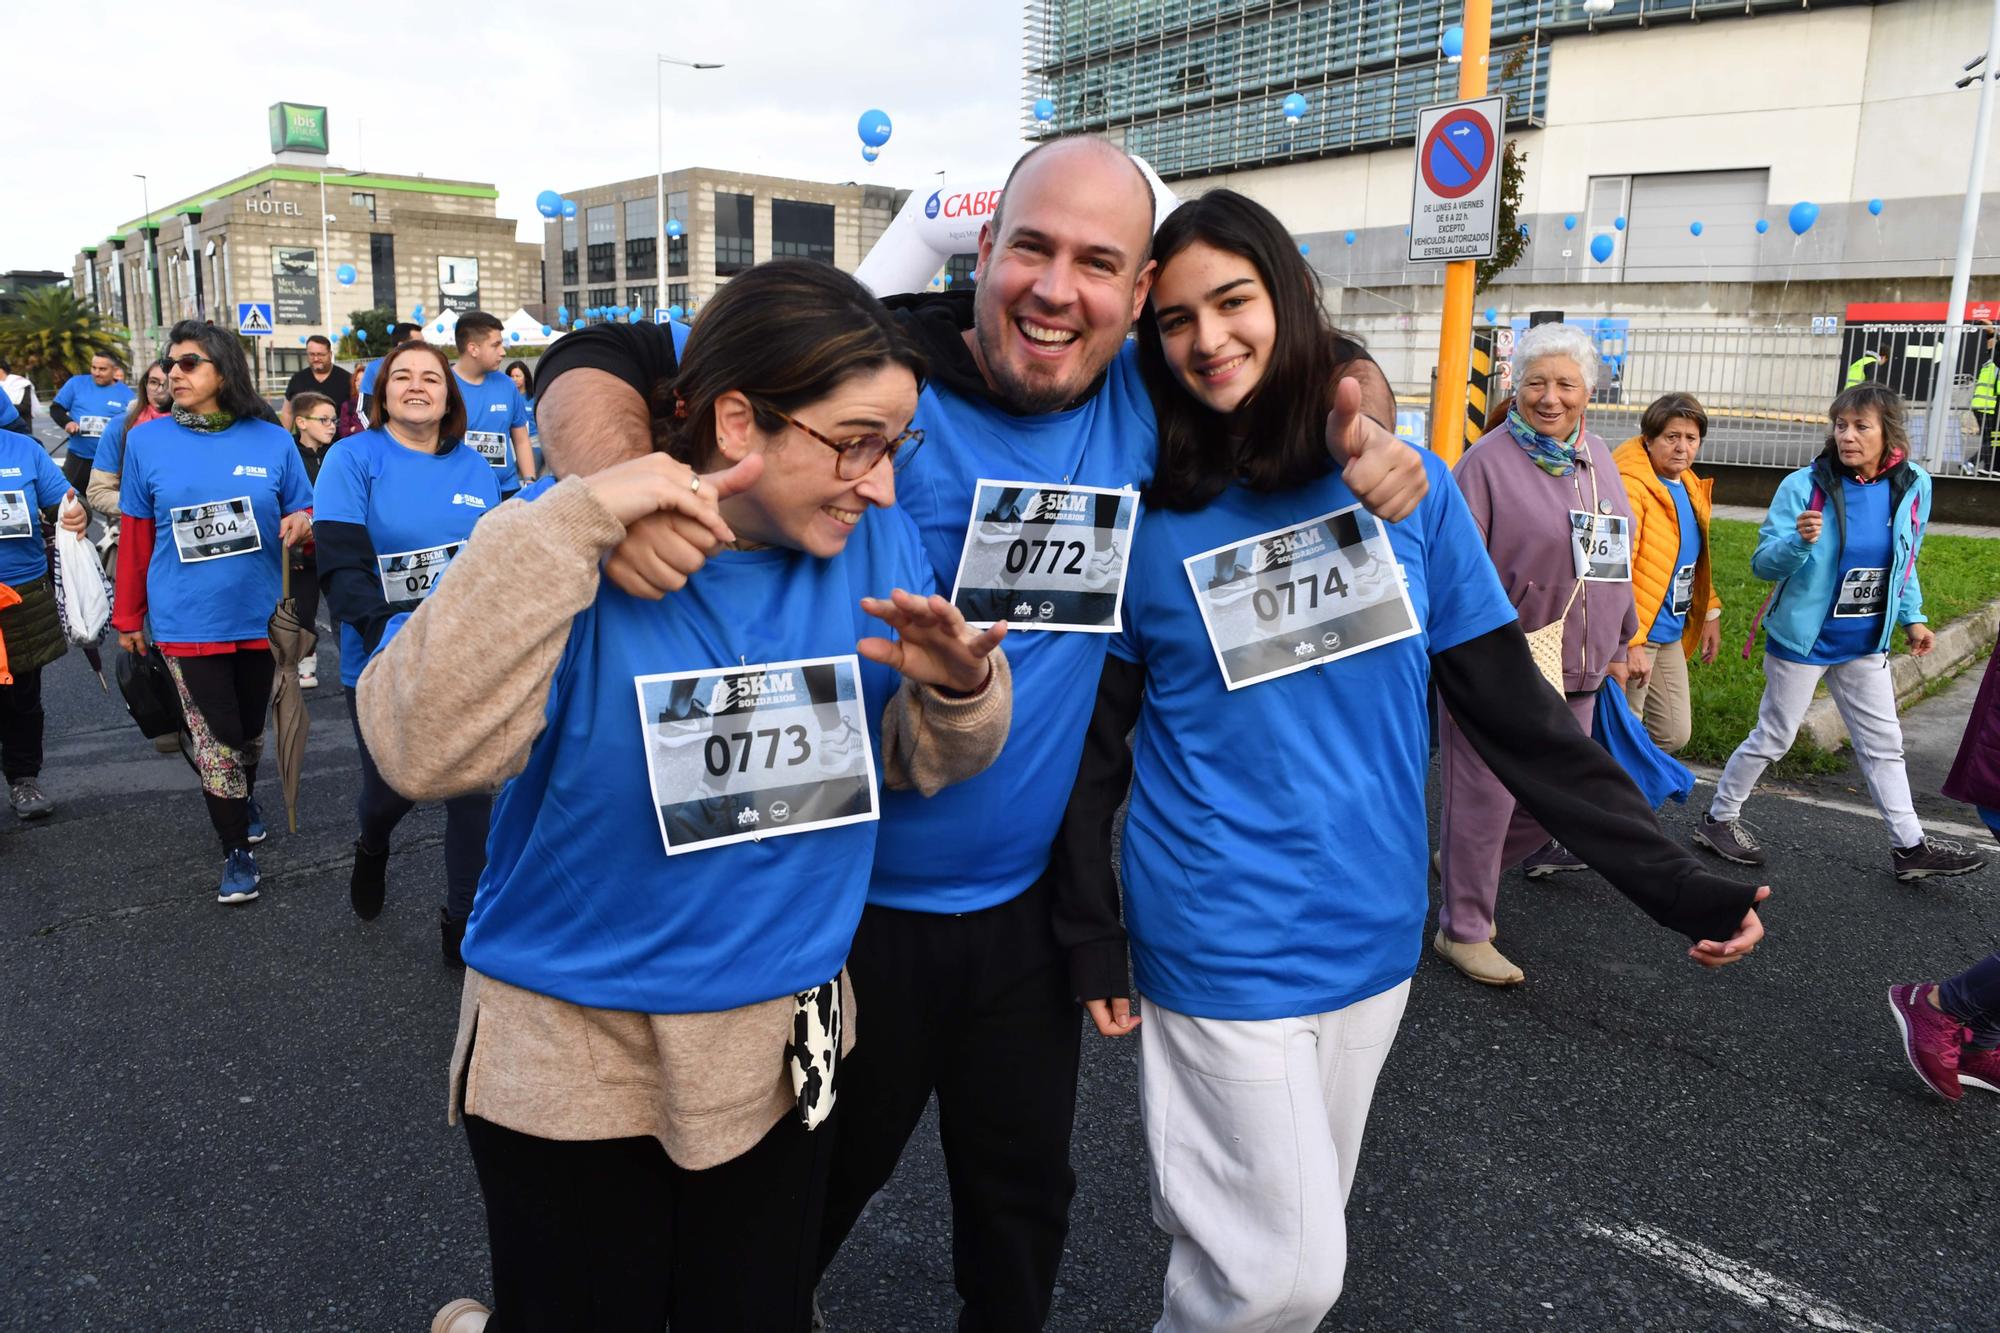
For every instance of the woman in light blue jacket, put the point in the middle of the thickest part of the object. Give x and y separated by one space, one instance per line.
1843 587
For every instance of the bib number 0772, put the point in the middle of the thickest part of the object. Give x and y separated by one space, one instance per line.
721 757
1282 600
1036 555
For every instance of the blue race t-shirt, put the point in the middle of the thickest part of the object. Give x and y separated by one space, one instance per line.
1671 622
1275 853
494 408
93 407
417 507
1010 812
580 900
368 377
215 500
29 482
1853 624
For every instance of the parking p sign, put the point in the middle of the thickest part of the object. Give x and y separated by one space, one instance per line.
1456 210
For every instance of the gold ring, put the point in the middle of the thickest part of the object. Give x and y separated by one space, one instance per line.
695 485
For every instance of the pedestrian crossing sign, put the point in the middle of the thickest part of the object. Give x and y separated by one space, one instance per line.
253 317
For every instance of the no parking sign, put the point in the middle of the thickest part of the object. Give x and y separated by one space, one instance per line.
1456 210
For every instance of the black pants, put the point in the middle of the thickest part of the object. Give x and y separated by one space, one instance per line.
305 587
21 726
1986 454
977 1008
232 692
381 807
609 1235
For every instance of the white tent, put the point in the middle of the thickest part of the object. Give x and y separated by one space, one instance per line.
441 328
529 328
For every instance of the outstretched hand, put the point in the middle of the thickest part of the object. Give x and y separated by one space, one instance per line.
1712 953
672 524
1385 473
933 644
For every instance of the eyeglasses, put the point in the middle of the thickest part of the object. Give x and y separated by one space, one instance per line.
860 454
187 361
323 421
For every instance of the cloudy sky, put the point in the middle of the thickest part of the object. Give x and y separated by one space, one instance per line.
487 92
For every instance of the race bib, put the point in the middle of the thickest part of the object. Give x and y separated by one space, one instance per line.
16 518
490 444
212 531
1601 545
1298 597
1683 593
1045 557
92 425
1863 592
409 576
739 753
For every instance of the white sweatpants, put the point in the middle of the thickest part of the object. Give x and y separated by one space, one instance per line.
1252 1131
1866 697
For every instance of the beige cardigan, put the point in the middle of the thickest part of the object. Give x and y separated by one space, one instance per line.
707 1086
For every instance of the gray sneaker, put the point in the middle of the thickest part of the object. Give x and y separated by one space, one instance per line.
28 801
1729 839
1932 856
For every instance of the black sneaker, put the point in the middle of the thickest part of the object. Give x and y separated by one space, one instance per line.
451 937
1729 839
1551 858
1933 856
28 801
368 883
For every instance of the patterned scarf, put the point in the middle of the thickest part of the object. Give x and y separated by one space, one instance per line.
1553 456
208 423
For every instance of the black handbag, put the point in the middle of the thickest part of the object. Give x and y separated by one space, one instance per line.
150 696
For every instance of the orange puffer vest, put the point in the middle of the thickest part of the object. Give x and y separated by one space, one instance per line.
1656 540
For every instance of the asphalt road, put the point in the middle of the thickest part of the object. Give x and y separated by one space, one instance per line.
233 1118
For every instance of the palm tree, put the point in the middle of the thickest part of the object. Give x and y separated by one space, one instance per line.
51 335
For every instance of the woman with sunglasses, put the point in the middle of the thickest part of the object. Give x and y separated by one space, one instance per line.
212 496
393 506
655 960
1273 627
315 426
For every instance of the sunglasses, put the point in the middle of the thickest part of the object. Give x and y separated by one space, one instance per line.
858 455
187 361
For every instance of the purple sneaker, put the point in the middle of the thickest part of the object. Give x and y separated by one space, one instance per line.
1979 1069
1930 1039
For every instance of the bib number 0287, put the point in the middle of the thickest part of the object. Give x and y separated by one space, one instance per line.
721 755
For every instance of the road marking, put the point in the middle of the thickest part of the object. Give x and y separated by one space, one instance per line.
1978 835
1751 1285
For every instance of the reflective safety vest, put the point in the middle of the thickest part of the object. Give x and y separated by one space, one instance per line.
1986 389
1857 371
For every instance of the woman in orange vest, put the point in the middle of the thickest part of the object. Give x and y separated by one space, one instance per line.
1670 565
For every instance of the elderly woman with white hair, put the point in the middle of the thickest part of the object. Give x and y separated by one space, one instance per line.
1548 499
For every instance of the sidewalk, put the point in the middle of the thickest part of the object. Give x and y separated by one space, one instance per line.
1752 514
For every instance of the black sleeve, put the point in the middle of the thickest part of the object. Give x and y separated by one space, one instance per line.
58 414
1087 922
1575 789
642 355
350 579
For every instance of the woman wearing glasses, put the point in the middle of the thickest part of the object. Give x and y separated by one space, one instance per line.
393 507
655 960
152 402
315 425
212 496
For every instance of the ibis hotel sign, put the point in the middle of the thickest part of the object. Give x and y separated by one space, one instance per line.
297 128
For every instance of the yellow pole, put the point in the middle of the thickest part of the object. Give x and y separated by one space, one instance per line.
1455 337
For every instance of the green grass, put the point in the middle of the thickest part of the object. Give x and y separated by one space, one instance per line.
1959 574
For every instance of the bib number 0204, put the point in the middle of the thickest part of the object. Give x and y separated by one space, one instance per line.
722 755
1281 600
1036 555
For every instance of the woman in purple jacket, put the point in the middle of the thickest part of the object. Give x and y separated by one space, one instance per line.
1547 497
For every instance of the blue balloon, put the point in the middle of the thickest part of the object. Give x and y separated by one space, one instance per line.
513 337
1524 229
1349 238
1305 249
562 314
361 335
1804 213
1763 225
1601 247
1045 110
1569 222
869 154
569 208
1694 227
302 340
344 275
549 204
1618 222
674 312
1294 106
440 326
947 279
418 311
1453 42
1875 208
674 227
1492 315
545 330
874 128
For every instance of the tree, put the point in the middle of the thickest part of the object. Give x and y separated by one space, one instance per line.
1511 241
52 336
376 322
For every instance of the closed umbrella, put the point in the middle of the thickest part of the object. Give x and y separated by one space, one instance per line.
291 641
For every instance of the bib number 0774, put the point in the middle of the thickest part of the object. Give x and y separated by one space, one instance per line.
721 756
1281 600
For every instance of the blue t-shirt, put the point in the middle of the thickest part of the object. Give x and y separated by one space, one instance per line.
579 899
29 482
9 414
1866 543
1275 854
408 501
494 408
215 501
368 377
1005 820
93 407
1670 624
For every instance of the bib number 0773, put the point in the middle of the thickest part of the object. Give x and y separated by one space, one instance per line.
1281 600
721 756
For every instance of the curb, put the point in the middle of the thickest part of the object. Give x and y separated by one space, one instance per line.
1957 645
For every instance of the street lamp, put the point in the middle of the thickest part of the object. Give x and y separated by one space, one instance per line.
660 170
1968 231
152 285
